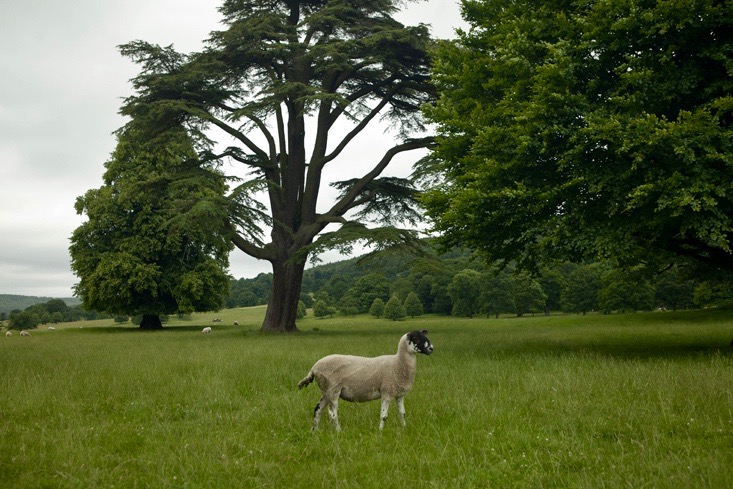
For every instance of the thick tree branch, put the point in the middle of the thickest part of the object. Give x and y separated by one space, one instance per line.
359 128
252 250
238 135
350 199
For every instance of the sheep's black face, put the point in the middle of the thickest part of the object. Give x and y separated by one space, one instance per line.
419 342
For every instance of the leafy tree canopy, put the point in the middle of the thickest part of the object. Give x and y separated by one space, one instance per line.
588 129
157 237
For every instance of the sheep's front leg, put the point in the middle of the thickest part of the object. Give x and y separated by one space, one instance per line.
401 409
383 412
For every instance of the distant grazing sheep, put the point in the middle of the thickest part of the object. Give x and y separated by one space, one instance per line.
216 320
51 328
360 379
236 323
8 334
25 333
207 329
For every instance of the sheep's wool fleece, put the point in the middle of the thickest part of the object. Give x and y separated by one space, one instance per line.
361 379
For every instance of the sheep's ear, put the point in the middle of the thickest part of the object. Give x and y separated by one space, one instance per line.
424 331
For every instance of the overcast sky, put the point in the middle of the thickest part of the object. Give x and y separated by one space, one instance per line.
61 87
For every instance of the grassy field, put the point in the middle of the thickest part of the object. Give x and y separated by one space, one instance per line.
638 400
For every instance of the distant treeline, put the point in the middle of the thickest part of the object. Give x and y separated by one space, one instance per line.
10 302
458 284
50 312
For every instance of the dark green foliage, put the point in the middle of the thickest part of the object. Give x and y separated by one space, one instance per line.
564 286
464 291
157 236
527 294
674 290
581 293
348 305
368 288
713 293
321 309
413 306
302 310
10 302
585 129
496 294
249 292
394 310
377 308
23 320
552 282
54 311
625 290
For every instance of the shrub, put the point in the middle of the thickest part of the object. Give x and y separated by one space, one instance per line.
302 310
413 306
377 308
394 309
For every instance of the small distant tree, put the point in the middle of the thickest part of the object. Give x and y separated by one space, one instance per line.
625 291
581 293
413 306
552 282
302 310
713 293
394 309
56 305
377 308
321 310
369 287
464 291
674 291
527 294
496 297
23 320
348 305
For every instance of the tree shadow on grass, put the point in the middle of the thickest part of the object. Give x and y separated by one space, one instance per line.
165 329
621 350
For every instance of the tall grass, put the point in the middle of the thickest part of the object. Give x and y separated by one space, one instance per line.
639 400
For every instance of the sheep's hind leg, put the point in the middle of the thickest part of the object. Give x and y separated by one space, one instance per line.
317 412
384 411
333 408
401 409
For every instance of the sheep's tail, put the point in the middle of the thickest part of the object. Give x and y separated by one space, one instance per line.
306 381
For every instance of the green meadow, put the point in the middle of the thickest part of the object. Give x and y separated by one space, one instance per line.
635 400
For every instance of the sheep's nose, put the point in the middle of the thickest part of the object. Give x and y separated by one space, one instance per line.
430 349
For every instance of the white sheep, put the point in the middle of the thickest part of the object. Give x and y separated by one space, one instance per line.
207 329
8 334
360 379
51 328
25 333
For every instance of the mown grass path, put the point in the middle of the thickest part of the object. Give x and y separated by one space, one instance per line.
637 400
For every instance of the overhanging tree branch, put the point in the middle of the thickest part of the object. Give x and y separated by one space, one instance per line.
347 202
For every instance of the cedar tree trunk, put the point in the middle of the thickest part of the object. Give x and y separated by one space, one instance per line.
284 296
